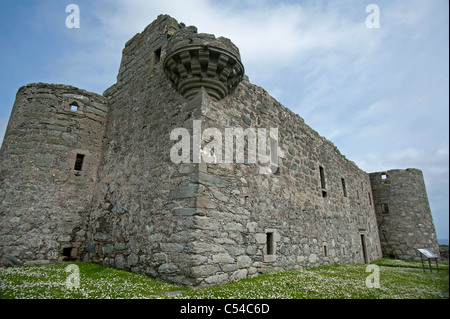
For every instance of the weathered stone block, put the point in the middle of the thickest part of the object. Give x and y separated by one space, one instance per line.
168 268
239 274
223 258
183 192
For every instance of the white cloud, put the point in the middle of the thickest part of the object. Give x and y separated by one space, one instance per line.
380 107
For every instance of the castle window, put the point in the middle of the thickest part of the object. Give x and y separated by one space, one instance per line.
370 199
325 254
384 176
74 106
344 187
322 182
79 162
157 56
269 243
384 209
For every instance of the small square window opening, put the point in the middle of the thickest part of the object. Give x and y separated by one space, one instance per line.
74 107
79 162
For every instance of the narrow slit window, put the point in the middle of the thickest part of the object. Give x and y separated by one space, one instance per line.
157 55
325 254
370 199
323 184
269 241
344 187
79 162
385 209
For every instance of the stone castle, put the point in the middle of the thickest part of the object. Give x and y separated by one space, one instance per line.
89 177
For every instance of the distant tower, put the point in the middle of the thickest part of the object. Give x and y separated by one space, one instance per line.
403 213
48 166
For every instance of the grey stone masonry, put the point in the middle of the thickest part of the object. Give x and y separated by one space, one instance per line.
403 213
44 200
90 177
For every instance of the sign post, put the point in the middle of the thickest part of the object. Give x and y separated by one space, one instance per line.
429 255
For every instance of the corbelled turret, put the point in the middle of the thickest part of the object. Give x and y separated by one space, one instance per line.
196 60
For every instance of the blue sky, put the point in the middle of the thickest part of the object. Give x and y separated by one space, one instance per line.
380 95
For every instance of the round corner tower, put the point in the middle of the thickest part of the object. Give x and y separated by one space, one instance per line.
48 165
403 213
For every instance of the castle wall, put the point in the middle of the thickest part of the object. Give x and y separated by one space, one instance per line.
43 199
403 213
134 223
253 223
208 223
91 177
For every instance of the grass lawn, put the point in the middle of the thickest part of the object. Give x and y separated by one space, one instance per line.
397 279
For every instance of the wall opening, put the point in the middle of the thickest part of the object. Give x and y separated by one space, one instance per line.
79 162
269 243
383 176
384 209
370 199
74 106
344 187
322 181
157 56
325 253
69 253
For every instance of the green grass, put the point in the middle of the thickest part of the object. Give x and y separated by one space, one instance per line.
398 279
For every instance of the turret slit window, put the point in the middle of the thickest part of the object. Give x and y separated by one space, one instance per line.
79 162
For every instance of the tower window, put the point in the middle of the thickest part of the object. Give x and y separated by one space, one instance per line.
79 162
384 176
74 106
